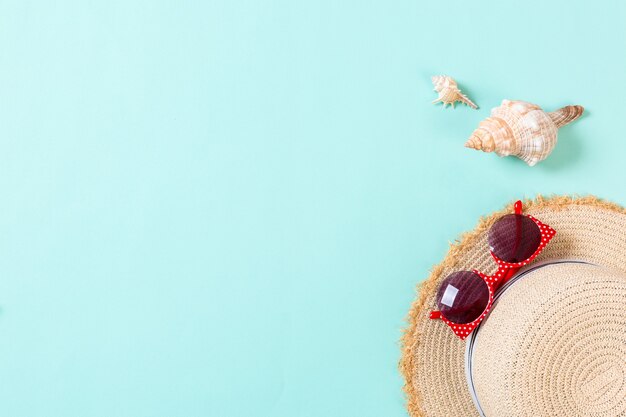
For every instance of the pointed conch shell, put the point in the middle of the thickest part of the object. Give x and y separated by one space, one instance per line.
522 129
449 92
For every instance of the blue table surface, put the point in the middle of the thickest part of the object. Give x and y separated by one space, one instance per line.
222 208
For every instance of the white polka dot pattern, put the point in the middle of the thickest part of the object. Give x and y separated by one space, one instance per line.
504 271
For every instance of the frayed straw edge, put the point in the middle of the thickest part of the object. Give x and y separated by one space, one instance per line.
411 336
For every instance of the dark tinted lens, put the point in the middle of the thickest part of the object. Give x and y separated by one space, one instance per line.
462 297
514 238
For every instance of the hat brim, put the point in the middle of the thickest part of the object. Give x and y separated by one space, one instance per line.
432 362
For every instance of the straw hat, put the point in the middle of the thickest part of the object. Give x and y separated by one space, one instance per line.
554 343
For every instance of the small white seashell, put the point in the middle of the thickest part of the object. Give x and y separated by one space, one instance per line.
449 92
522 129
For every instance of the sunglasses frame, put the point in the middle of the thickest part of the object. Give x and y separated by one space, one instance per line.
504 272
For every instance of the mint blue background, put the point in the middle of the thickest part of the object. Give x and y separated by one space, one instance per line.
222 208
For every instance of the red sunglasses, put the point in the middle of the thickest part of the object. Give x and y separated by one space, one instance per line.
465 297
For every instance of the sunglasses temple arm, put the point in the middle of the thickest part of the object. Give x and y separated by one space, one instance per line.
434 315
507 274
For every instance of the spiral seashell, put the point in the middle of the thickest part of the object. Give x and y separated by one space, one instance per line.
449 92
522 129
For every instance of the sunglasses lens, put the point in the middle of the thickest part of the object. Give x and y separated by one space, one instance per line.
514 238
462 297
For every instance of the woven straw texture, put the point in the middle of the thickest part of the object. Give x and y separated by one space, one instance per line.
555 345
433 357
